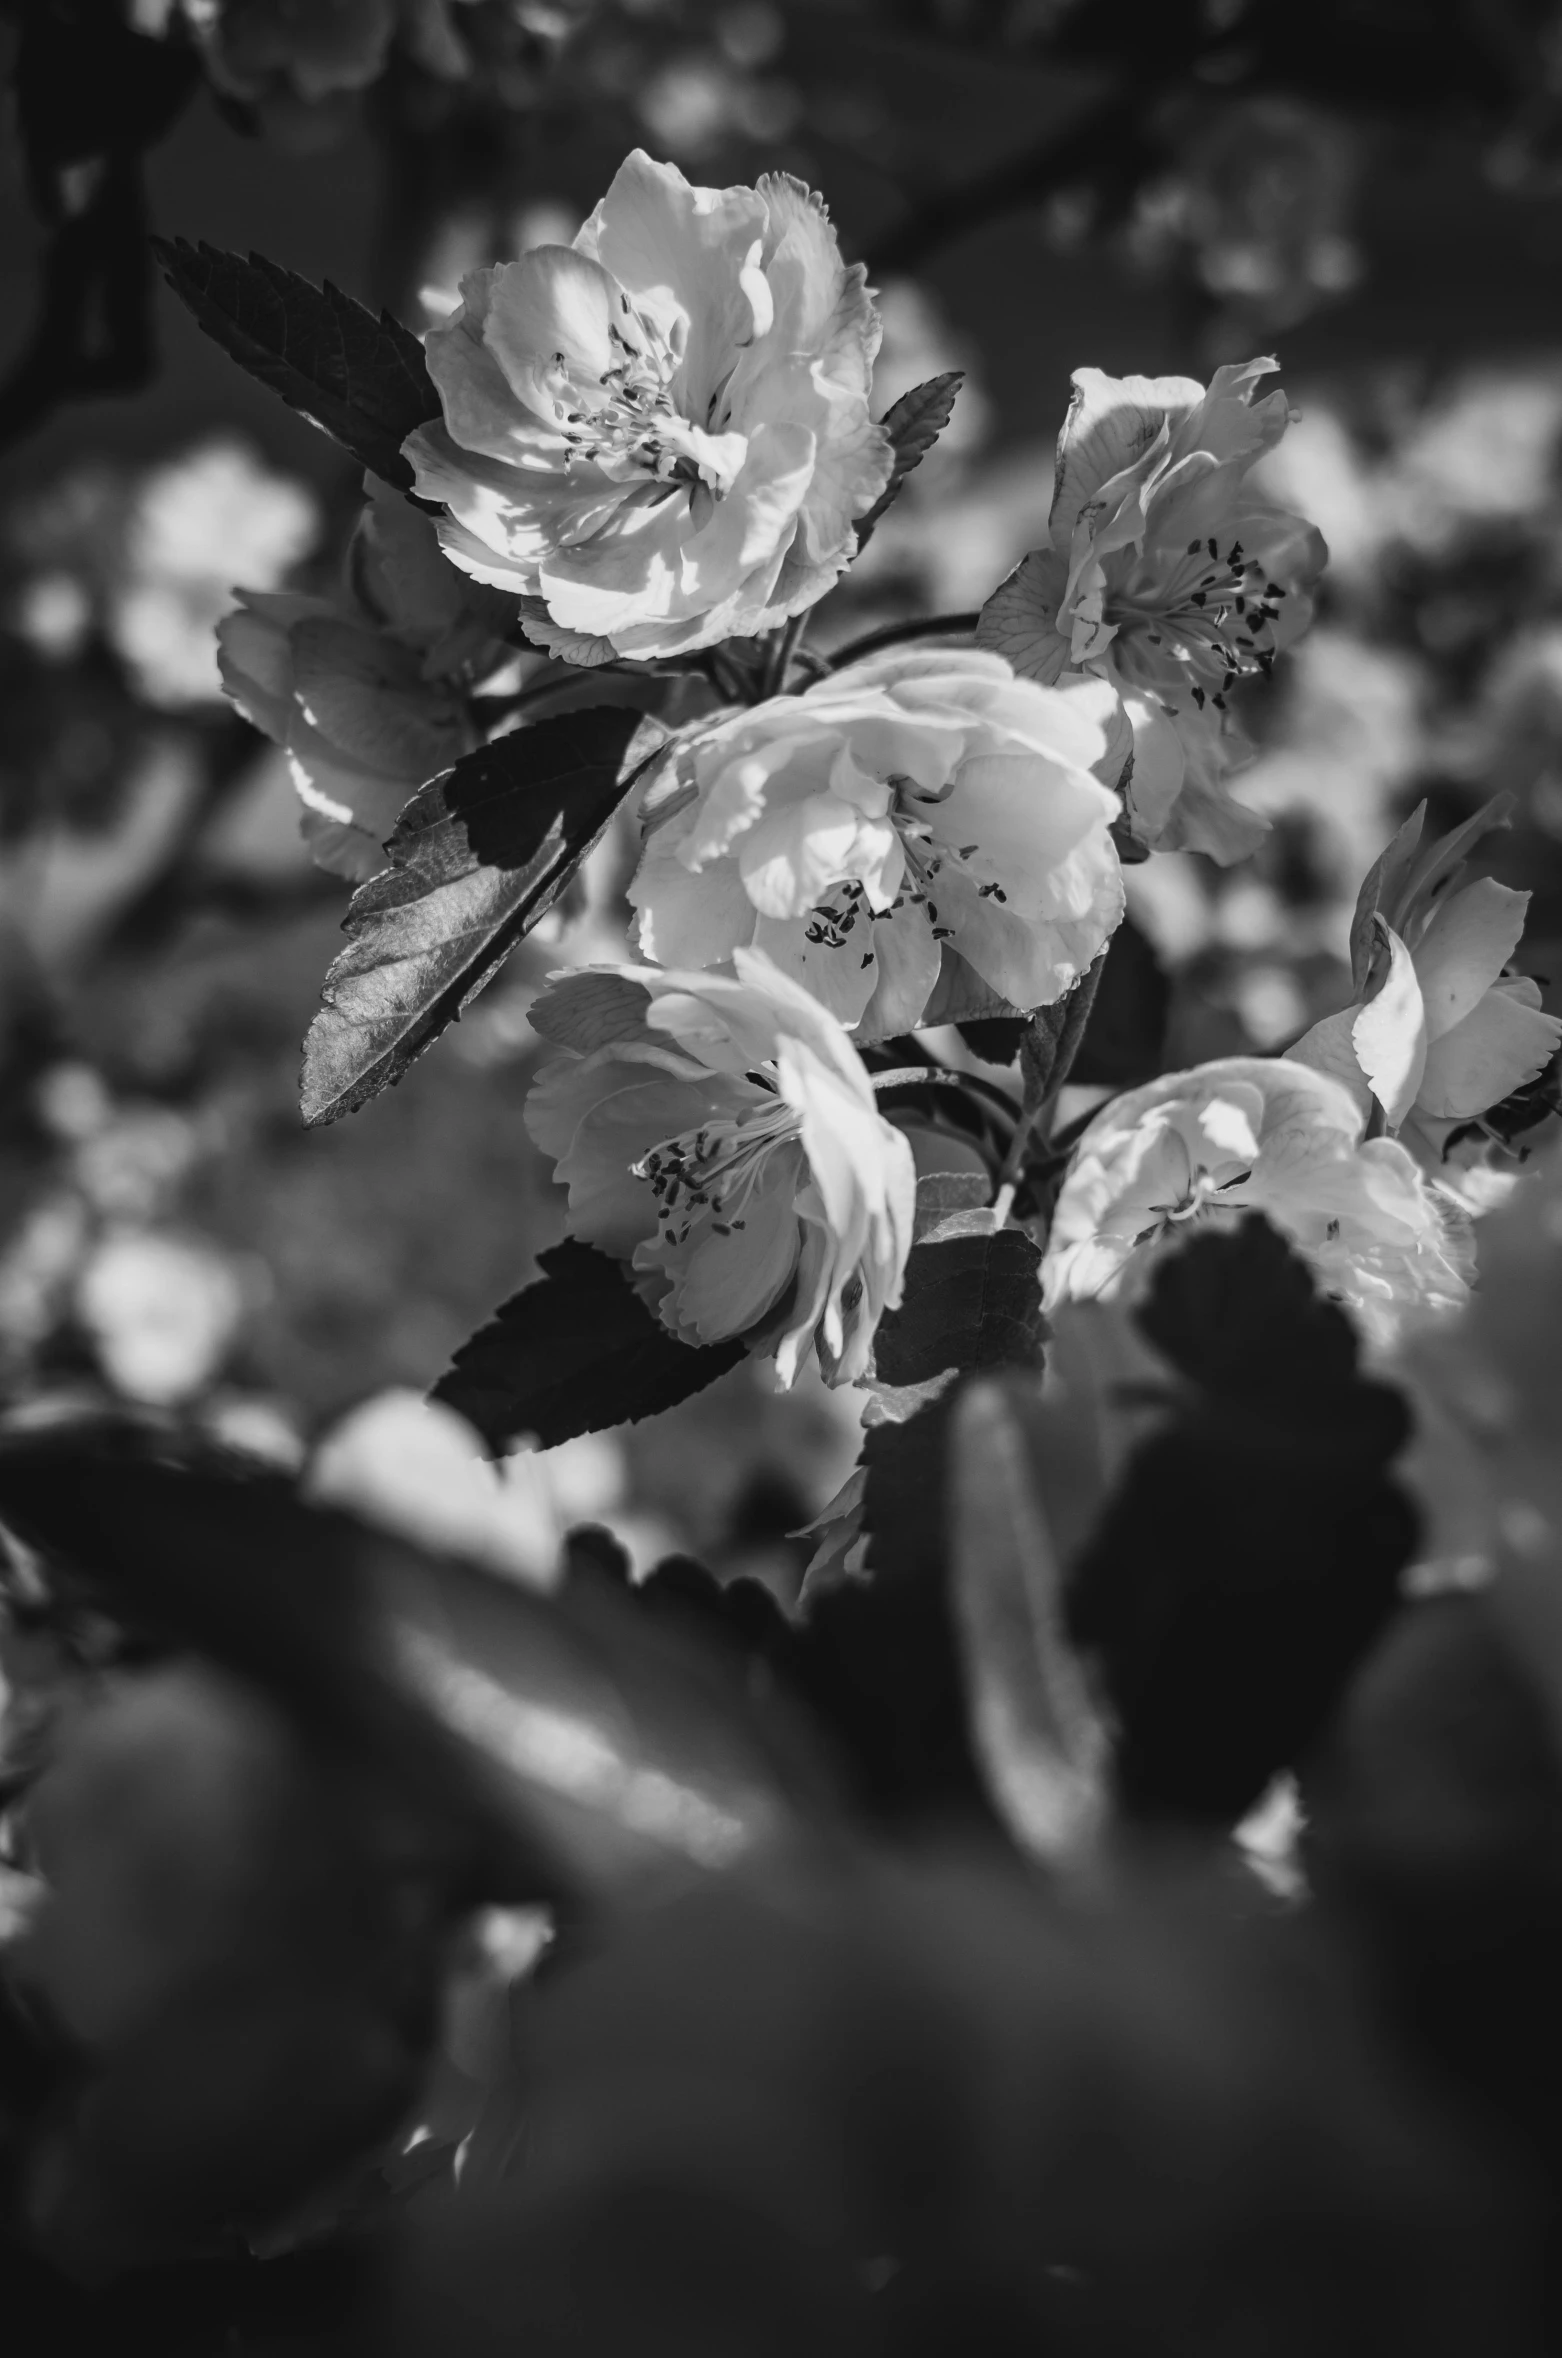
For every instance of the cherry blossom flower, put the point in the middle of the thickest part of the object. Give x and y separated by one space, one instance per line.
1244 1134
719 1134
919 812
1167 575
1440 1031
367 692
660 433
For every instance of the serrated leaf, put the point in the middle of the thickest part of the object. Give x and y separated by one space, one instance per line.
1053 1037
1254 1544
363 380
574 1353
969 1302
913 424
1038 1735
478 856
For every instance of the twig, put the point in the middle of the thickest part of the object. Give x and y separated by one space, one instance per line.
897 634
1023 180
1047 1052
788 639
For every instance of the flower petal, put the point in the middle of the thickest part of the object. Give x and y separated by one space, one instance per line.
1495 1049
1020 619
1471 937
1390 1035
1110 422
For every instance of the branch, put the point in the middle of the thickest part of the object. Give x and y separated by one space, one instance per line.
1023 180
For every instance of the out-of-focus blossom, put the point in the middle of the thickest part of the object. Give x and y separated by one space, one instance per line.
1262 198
419 1469
912 810
367 692
195 527
720 1135
660 433
1440 1031
1167 575
1250 1134
162 1312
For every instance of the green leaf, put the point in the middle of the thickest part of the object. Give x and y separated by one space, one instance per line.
913 424
363 380
478 855
1037 1732
574 1353
969 1302
1053 1038
1124 1039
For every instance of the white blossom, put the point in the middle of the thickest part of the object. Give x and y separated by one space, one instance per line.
719 1134
917 813
660 433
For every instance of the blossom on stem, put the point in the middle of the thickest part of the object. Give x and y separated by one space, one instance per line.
1167 575
719 1134
367 692
659 434
1440 1031
916 809
1256 1134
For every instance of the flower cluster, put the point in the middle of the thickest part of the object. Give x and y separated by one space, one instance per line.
1255 1134
660 434
654 450
1167 575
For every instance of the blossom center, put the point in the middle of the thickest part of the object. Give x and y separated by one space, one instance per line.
712 1172
1213 616
831 923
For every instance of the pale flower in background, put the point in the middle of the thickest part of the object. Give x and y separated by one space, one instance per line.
1440 1031
720 1135
195 527
1167 575
366 692
660 433
162 1312
417 1468
915 811
1254 1134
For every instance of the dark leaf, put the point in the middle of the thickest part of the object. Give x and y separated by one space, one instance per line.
1053 1036
574 1353
478 856
93 333
69 112
996 1038
970 1302
1434 1826
1254 1548
561 1745
946 1197
364 380
1124 1038
913 424
880 1660
1036 1730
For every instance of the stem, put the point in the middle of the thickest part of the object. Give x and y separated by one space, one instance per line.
787 643
896 634
1047 1074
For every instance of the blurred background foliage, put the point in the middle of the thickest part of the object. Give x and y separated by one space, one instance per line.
1372 188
